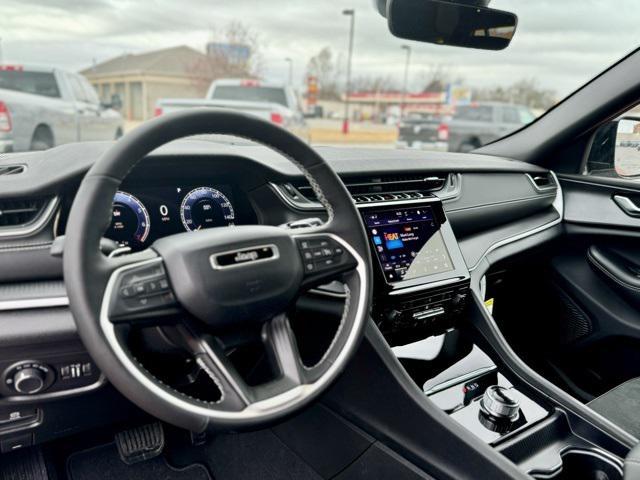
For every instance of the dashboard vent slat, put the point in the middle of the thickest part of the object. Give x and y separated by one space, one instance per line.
18 212
382 189
543 181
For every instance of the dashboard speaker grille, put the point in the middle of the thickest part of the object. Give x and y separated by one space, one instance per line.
576 324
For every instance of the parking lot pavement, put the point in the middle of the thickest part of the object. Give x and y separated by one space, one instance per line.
627 161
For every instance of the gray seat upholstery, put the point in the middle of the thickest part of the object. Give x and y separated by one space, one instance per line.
621 405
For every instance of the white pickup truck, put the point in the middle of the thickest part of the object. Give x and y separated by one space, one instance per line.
44 107
270 101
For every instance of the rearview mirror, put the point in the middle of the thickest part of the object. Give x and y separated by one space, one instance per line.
449 23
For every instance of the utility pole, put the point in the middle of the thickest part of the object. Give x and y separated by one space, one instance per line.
407 48
290 62
345 124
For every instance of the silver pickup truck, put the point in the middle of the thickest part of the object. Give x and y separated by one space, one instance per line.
274 102
44 107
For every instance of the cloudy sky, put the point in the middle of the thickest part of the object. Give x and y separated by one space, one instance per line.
561 43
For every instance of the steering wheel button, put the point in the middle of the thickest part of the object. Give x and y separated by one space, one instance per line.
309 267
317 253
139 289
127 292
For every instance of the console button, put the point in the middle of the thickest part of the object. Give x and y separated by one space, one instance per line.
17 415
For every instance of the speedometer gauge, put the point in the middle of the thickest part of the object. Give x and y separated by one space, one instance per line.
130 221
206 207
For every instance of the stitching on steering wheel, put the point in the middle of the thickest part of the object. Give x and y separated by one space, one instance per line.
345 312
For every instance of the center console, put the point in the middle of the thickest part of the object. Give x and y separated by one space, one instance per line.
422 298
422 282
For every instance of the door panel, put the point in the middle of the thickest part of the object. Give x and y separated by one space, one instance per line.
597 273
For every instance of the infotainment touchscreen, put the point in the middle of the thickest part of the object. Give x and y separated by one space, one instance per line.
407 242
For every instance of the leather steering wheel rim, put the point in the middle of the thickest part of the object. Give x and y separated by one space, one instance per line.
90 278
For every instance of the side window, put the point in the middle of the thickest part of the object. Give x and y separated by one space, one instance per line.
481 113
615 148
510 115
90 92
76 88
525 115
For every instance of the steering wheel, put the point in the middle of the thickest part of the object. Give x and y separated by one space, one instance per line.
213 281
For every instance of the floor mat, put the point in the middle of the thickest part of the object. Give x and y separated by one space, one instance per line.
103 463
252 455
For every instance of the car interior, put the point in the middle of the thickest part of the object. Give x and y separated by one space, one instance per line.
173 306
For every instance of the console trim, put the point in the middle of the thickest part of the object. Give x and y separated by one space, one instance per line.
462 378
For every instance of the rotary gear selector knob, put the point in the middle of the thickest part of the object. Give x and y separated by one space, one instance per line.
500 403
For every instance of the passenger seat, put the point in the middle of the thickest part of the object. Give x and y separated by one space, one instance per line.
621 405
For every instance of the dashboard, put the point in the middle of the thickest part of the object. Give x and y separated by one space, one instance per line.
478 202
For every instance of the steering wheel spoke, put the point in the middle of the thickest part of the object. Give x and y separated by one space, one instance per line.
139 290
282 349
234 392
325 257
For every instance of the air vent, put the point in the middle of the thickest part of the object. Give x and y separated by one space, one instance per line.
382 189
11 169
20 212
543 181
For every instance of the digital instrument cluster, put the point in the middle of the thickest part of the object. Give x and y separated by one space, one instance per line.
154 212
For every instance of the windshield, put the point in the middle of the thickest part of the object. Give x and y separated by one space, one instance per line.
130 63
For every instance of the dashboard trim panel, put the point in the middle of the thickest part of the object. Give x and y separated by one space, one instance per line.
31 303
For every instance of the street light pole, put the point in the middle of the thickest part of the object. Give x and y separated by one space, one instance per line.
407 48
345 124
290 62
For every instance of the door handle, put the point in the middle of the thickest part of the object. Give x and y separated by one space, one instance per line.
627 205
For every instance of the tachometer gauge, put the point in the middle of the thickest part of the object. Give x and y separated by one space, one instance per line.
130 221
206 207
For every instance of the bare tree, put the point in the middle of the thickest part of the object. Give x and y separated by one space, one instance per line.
323 66
524 92
375 83
239 54
436 78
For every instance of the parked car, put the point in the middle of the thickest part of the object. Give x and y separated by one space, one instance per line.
470 127
43 107
271 101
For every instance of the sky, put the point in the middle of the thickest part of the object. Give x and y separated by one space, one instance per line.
559 43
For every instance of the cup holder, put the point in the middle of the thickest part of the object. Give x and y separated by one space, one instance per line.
582 464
